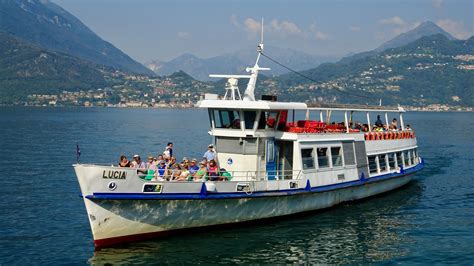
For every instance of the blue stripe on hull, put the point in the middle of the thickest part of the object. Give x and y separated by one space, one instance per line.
235 195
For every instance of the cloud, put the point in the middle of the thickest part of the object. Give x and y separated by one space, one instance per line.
455 28
183 35
280 27
354 28
392 21
317 34
437 3
285 27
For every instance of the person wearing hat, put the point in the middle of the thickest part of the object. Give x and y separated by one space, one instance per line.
210 154
137 162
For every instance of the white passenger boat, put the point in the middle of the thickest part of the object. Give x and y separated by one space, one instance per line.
277 167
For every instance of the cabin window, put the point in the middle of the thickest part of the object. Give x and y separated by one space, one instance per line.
229 145
406 158
412 157
227 119
382 163
249 117
399 159
268 120
372 164
415 154
391 160
307 156
323 157
336 154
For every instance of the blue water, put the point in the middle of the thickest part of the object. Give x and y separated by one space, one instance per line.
43 220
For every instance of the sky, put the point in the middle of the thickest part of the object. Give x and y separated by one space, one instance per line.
150 29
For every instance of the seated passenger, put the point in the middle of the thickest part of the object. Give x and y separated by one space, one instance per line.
137 162
184 175
193 167
408 127
176 172
213 171
161 170
200 174
124 162
394 124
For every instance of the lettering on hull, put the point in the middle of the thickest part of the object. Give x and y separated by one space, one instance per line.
114 174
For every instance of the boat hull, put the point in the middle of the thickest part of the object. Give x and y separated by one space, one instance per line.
119 221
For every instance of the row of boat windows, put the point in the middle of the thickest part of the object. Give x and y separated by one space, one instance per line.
322 157
390 161
231 119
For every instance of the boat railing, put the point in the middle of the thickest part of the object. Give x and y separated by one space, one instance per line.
262 175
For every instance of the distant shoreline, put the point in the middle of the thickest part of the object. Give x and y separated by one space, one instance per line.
194 107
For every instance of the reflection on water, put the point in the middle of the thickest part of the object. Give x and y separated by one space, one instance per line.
364 232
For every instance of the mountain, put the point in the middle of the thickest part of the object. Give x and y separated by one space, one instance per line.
424 29
47 25
235 63
430 70
29 69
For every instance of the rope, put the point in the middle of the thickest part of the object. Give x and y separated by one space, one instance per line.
309 78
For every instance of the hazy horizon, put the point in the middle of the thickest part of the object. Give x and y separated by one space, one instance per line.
148 30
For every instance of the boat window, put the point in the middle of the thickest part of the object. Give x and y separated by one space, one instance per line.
406 158
307 156
336 154
249 117
268 120
412 157
415 154
372 165
391 160
382 163
227 119
323 157
399 159
270 151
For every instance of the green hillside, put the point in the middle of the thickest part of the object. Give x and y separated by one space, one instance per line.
432 69
27 69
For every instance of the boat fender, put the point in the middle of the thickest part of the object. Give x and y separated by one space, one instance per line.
210 187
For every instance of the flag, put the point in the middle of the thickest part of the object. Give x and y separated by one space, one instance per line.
78 152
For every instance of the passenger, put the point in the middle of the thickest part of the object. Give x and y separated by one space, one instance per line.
162 170
150 164
210 154
408 127
394 124
168 153
137 162
184 175
176 172
193 167
124 162
200 175
378 123
160 158
213 171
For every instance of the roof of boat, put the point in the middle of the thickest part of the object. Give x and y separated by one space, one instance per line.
270 105
255 105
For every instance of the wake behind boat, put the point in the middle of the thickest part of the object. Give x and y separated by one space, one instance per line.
271 165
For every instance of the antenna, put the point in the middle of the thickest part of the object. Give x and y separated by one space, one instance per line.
261 35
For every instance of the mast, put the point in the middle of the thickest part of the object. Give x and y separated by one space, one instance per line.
249 94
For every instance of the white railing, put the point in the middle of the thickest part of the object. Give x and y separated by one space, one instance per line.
261 175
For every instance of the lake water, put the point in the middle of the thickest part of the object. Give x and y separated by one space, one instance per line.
43 220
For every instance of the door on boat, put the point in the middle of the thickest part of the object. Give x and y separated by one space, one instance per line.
271 164
284 159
